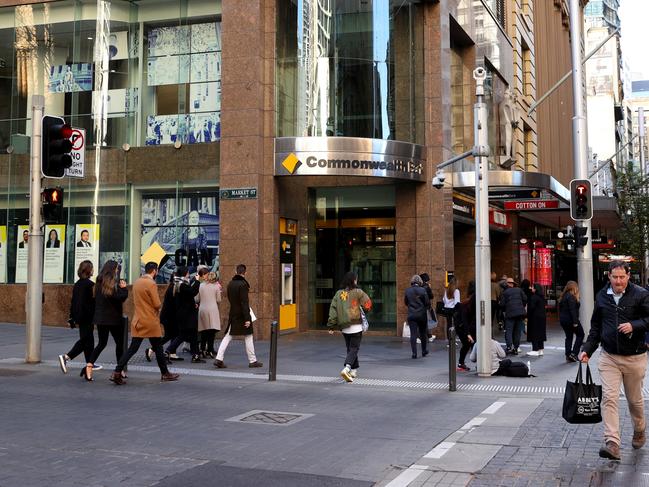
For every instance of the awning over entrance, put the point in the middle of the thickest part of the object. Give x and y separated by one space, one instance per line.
513 180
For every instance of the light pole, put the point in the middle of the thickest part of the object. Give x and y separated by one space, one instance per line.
480 152
482 243
643 168
580 162
34 305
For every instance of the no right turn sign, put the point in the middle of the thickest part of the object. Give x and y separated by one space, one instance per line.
78 154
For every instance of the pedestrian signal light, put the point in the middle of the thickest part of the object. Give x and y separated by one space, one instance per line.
580 236
52 205
55 147
581 200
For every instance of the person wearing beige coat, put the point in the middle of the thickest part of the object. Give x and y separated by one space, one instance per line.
209 317
145 324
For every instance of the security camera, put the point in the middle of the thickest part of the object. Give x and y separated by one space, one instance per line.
438 181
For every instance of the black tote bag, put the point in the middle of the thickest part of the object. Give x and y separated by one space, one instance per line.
582 401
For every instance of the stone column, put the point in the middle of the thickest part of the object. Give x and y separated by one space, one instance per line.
249 228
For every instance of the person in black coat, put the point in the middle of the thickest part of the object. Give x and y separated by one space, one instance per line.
513 301
110 294
426 278
418 303
536 321
82 310
569 320
168 321
239 319
466 326
185 313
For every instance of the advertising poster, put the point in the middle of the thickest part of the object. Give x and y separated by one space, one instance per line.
3 253
86 246
22 251
187 227
188 129
54 254
68 78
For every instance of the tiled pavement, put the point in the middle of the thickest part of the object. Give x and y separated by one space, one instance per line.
57 430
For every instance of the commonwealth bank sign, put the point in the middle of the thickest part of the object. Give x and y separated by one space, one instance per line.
348 156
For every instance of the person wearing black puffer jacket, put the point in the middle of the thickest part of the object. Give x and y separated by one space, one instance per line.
513 302
418 303
619 322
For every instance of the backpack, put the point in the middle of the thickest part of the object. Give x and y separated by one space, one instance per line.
508 368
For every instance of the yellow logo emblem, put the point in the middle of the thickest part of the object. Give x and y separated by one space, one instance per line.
291 163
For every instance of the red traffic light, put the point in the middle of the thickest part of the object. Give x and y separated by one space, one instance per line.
581 203
65 131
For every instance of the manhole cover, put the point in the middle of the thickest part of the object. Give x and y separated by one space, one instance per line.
276 418
14 372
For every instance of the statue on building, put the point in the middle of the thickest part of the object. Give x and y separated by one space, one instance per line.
509 115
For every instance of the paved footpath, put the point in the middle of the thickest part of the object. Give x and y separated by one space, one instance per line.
396 426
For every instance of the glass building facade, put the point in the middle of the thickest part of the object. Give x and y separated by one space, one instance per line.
141 81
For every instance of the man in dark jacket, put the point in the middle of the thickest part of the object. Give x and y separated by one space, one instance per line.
513 301
619 322
418 303
239 319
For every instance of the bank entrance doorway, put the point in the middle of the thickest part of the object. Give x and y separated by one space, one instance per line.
354 230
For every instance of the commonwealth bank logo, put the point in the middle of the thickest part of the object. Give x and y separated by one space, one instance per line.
291 163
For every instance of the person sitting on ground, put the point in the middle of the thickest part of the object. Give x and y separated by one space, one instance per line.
496 352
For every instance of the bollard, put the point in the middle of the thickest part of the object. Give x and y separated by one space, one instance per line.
272 366
452 368
125 340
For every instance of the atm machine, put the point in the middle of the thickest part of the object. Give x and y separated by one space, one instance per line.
287 251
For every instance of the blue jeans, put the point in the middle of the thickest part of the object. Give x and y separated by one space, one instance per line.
513 327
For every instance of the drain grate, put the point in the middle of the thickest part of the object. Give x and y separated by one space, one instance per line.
15 372
275 418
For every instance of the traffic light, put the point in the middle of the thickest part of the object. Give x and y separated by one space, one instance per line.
52 205
55 147
581 200
580 236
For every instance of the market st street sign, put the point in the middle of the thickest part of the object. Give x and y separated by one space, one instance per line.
238 194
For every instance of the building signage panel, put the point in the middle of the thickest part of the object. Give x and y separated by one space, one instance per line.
348 156
238 194
529 205
519 194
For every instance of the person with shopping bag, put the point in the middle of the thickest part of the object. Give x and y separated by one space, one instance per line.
619 323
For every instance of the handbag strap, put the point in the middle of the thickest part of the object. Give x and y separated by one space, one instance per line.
579 379
589 378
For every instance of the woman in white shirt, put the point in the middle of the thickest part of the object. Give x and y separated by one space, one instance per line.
451 299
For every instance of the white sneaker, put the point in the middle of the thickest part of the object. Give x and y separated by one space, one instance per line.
418 340
533 354
346 374
432 339
518 350
97 367
541 353
354 373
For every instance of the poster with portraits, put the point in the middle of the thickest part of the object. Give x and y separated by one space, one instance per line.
3 253
54 254
22 253
86 246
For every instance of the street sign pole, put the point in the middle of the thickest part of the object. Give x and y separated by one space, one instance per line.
482 242
34 305
580 156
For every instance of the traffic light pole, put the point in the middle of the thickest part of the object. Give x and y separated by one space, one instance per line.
645 173
580 156
34 306
482 242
